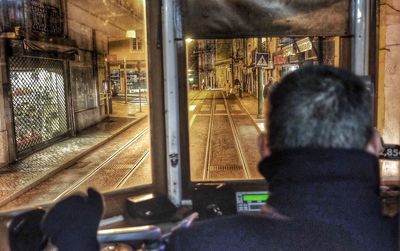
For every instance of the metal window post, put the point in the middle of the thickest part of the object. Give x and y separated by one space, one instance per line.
260 83
171 102
126 81
360 43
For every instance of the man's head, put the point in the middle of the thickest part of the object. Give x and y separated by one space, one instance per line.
320 107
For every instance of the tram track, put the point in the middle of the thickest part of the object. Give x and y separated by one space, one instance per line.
225 156
131 171
122 181
72 179
237 140
95 170
102 165
139 162
101 169
207 159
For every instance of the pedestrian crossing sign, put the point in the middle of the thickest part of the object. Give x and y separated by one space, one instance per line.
262 59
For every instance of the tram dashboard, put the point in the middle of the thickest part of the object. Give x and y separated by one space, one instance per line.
151 216
146 218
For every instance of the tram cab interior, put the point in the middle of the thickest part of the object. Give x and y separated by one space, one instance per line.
187 184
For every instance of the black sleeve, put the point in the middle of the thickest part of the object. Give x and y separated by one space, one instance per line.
173 244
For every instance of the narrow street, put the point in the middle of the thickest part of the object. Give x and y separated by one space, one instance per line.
123 161
223 138
222 147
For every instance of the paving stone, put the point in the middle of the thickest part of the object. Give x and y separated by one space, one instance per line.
21 174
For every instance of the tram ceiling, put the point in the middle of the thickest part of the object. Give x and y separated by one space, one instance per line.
112 18
252 18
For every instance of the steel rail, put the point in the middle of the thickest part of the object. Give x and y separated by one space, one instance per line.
207 158
96 169
123 180
109 159
237 140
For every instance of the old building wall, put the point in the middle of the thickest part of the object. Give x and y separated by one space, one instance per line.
123 49
85 90
389 81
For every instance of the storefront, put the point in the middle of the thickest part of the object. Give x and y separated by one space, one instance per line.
38 101
36 66
293 53
135 78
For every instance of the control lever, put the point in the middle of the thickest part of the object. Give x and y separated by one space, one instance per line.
185 223
148 232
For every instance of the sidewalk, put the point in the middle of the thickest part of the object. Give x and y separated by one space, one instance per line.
250 104
17 178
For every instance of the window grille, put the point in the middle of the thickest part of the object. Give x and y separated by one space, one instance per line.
38 100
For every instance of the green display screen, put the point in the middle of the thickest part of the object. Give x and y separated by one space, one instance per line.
255 197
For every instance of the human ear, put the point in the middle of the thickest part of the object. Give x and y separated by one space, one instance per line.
375 145
263 147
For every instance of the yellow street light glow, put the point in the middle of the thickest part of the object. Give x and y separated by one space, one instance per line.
131 34
188 40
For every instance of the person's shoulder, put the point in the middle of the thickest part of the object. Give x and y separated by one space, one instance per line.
228 232
259 233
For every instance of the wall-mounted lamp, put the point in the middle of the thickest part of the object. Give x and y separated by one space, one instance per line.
131 34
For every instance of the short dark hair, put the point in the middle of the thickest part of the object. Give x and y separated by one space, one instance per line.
320 106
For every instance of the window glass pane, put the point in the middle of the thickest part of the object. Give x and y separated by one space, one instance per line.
228 82
79 100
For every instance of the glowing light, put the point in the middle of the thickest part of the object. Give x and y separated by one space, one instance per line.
188 40
192 108
261 126
131 34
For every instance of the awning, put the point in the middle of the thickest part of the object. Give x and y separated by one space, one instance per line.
64 51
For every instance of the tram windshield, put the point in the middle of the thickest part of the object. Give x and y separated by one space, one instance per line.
86 101
159 105
229 81
79 76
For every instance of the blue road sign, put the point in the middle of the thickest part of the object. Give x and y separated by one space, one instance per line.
262 59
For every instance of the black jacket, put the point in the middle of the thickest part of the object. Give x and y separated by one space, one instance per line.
256 233
331 196
339 187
